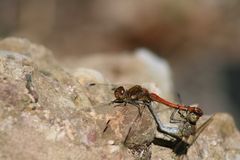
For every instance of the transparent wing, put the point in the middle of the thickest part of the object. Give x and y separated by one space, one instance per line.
100 93
199 130
164 112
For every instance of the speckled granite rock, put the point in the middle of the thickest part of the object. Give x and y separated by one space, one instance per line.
49 113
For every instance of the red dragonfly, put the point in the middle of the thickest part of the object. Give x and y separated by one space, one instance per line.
139 95
190 114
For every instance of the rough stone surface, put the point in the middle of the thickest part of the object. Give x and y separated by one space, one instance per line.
56 116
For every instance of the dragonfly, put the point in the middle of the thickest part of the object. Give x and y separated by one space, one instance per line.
137 95
185 134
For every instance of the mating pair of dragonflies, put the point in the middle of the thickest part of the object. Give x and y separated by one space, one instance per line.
189 114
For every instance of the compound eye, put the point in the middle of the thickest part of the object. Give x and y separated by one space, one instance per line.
119 92
198 111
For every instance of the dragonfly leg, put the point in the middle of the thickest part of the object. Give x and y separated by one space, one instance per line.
139 110
182 114
117 101
138 105
130 128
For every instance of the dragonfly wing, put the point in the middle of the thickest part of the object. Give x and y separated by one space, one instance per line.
165 112
199 130
100 93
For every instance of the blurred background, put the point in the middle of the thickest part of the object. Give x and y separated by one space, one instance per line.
200 39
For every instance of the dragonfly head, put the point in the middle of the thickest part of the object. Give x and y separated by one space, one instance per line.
120 93
196 110
195 113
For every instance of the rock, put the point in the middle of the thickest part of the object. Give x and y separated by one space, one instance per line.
54 127
49 113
